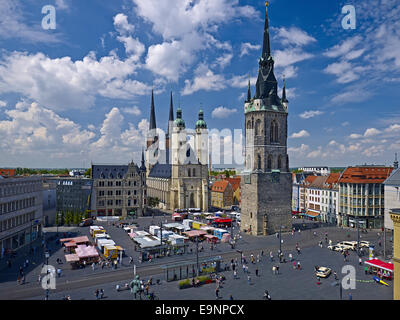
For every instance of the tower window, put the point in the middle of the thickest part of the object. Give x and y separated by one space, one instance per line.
258 127
274 131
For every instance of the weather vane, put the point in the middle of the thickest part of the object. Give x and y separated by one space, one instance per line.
266 3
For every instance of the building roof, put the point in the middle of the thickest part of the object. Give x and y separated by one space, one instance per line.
235 182
394 178
332 180
309 180
318 182
220 186
8 172
161 171
365 174
109 171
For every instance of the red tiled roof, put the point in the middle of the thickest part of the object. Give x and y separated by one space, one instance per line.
235 182
365 174
220 185
8 172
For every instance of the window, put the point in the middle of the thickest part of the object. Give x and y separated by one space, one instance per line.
279 162
274 131
258 127
269 162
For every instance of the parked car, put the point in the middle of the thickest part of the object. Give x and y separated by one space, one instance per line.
364 244
86 222
323 272
349 245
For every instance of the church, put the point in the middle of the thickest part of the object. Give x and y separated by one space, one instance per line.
266 184
177 162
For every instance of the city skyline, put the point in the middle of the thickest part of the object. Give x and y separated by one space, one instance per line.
81 93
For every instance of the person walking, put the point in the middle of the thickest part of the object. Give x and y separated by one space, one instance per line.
101 293
216 294
248 279
256 272
234 274
97 293
267 295
93 266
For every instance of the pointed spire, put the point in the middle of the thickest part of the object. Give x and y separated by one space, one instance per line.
266 45
248 92
152 113
143 165
395 163
171 109
284 91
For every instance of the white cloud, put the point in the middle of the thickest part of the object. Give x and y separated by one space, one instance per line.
222 112
344 48
132 110
122 25
310 114
293 36
62 5
204 79
300 134
393 128
370 132
355 136
246 47
2 104
186 29
224 60
14 26
62 83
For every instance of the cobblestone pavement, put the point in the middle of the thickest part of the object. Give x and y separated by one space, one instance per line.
289 284
84 279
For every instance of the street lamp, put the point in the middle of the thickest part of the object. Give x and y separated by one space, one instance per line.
47 255
280 242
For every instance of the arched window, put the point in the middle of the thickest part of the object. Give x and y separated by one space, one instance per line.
279 162
274 131
249 124
194 172
259 161
269 162
248 162
258 127
188 172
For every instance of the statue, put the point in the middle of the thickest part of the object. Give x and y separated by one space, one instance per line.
135 285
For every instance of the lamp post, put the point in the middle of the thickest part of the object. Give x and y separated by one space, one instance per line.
197 255
47 255
358 236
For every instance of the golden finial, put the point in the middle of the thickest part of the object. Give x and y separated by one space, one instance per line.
266 3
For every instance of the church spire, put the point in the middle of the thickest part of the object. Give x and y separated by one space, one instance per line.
171 109
143 165
152 113
267 86
284 91
266 44
248 92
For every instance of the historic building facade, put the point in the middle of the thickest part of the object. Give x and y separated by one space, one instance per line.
119 190
177 162
266 184
21 212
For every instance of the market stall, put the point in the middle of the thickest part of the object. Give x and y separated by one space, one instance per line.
210 238
381 268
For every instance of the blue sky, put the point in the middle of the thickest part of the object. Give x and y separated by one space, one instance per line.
81 92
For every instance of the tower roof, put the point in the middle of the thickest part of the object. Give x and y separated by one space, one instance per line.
266 44
171 114
179 122
284 91
267 86
152 113
201 123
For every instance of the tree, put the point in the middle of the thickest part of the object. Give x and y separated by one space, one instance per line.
153 202
88 172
